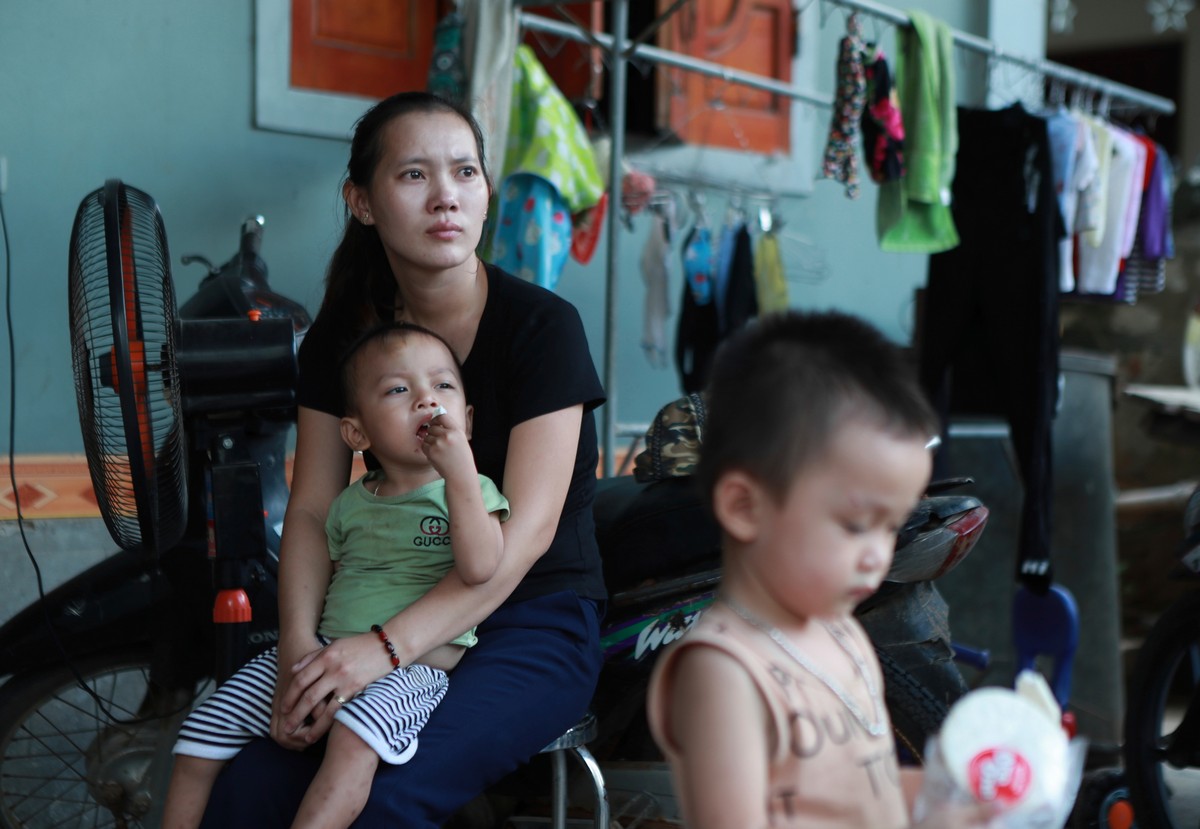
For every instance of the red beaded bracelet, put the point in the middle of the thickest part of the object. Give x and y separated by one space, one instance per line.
387 643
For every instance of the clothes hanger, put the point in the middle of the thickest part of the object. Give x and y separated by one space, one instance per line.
696 201
804 261
735 214
766 219
666 205
1057 97
876 32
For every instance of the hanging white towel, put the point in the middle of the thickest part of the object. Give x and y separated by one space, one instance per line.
655 264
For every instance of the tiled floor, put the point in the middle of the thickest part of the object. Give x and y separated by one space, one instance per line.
49 486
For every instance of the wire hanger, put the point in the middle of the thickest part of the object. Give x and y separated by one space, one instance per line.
805 260
826 11
735 212
1057 97
876 30
766 219
590 114
696 200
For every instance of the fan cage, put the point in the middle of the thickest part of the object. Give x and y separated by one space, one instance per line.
122 309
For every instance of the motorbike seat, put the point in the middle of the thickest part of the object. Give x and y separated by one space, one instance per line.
650 530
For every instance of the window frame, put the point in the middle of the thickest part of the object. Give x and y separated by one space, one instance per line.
278 105
750 171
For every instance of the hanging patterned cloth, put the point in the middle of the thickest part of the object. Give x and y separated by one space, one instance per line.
550 175
447 67
882 124
841 162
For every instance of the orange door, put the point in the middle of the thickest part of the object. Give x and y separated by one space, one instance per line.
757 36
362 47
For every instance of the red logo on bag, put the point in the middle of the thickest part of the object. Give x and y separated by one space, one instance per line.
999 774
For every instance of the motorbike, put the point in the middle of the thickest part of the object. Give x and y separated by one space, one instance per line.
103 668
1161 751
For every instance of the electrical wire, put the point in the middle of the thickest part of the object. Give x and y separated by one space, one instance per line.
12 408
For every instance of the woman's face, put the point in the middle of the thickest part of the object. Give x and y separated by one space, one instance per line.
428 197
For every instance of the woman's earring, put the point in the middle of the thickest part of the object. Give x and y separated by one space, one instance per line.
366 215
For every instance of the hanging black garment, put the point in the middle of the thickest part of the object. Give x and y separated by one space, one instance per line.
741 294
989 336
698 330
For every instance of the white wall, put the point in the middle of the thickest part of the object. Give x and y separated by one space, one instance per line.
160 93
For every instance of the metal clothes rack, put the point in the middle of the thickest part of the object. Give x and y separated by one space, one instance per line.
1050 69
622 49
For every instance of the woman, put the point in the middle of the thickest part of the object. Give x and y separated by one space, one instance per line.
417 195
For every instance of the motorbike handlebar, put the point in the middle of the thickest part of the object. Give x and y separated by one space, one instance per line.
252 231
240 285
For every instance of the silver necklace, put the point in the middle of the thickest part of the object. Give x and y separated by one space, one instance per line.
876 728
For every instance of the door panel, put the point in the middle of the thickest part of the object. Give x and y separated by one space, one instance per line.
362 47
755 36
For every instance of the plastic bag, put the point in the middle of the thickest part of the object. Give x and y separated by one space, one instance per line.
1007 748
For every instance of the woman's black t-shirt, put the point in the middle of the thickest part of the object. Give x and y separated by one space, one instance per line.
530 358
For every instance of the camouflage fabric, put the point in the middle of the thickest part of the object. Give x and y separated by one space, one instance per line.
672 441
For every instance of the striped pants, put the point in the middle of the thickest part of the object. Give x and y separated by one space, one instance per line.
387 715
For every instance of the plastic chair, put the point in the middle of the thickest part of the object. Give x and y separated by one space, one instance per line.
1047 625
574 742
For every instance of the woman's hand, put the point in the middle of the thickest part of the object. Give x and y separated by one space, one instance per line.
290 738
340 669
321 471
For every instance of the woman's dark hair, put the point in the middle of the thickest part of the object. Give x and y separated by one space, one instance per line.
360 289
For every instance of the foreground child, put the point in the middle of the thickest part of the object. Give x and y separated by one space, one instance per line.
771 709
392 535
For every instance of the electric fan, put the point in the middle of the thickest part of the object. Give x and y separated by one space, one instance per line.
122 314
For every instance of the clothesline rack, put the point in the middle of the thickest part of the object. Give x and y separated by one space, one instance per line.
621 49
698 181
1047 68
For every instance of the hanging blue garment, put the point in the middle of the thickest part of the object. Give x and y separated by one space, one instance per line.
533 230
697 333
699 265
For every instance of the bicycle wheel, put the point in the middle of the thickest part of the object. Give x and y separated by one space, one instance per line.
68 761
1162 772
1102 802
